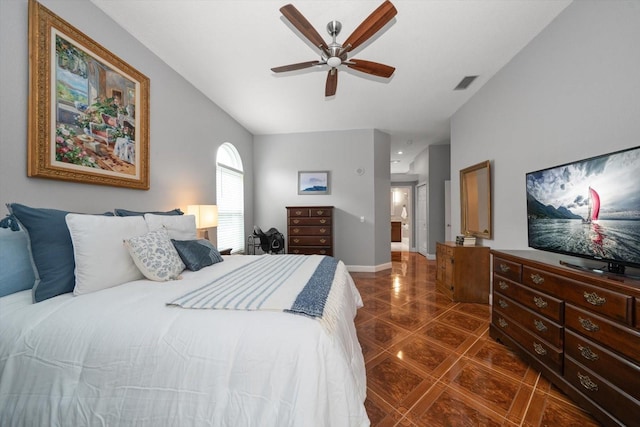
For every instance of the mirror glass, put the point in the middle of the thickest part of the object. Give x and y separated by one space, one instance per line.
475 200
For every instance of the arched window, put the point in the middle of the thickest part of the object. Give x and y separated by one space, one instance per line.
230 198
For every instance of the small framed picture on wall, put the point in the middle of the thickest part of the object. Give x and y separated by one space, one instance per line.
313 182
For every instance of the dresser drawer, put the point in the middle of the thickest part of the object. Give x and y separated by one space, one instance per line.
538 348
596 388
613 335
609 303
309 231
444 250
298 212
533 322
310 221
308 211
507 269
536 301
310 250
603 362
309 241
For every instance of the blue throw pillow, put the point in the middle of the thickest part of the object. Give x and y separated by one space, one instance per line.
124 212
17 272
50 247
197 254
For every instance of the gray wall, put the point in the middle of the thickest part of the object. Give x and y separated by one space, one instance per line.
278 158
186 127
439 172
432 166
572 93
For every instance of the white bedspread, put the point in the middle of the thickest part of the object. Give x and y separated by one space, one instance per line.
122 357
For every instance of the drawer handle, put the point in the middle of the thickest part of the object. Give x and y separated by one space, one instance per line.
295 251
323 240
298 213
323 230
594 299
296 221
504 268
322 251
296 240
587 353
540 326
322 221
539 302
502 303
588 325
296 230
537 279
503 323
538 348
319 212
587 382
503 285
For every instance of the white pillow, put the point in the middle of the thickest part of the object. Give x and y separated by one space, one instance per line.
101 259
155 255
180 227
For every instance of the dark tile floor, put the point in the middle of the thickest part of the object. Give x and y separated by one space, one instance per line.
431 362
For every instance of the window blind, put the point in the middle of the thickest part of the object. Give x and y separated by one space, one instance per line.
230 200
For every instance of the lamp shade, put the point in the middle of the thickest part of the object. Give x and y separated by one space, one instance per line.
206 215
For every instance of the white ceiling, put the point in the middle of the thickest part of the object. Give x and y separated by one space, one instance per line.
226 49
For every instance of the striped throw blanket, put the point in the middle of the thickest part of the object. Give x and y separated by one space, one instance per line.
296 284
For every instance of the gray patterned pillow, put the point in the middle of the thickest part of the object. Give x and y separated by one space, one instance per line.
155 255
197 254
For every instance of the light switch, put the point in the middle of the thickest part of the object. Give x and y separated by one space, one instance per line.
361 219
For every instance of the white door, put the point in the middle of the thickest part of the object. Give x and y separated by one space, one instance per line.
422 219
447 211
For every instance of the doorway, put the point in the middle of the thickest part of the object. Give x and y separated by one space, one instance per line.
401 218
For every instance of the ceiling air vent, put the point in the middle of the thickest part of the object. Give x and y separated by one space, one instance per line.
465 82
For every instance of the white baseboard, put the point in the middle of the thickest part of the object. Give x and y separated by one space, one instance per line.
368 268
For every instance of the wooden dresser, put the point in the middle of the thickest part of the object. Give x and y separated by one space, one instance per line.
310 230
580 329
462 272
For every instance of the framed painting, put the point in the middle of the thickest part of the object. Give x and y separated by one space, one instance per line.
313 182
88 109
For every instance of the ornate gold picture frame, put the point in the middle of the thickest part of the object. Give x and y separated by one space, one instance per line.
88 109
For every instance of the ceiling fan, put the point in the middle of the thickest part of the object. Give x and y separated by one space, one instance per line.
336 54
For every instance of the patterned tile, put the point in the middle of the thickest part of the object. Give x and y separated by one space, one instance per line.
396 382
381 332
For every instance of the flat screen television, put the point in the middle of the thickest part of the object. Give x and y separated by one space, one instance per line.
588 208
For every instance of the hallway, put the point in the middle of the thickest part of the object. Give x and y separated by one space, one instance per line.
431 362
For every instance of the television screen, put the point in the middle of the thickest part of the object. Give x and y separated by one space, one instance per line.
589 208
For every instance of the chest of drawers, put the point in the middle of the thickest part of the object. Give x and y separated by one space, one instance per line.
462 272
580 329
310 230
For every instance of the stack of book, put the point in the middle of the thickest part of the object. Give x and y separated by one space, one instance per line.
466 240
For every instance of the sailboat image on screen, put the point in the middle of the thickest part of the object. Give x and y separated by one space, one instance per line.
594 207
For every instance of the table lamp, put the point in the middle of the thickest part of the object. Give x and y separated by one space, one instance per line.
206 217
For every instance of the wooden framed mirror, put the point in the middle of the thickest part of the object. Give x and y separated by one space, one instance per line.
475 200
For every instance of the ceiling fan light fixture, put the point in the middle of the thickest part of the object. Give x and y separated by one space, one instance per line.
334 61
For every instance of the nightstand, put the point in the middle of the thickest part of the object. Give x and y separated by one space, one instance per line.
226 251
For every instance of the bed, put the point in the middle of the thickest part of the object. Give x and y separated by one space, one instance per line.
132 355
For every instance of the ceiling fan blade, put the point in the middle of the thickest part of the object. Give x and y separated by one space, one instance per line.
369 67
300 22
298 66
378 19
332 82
